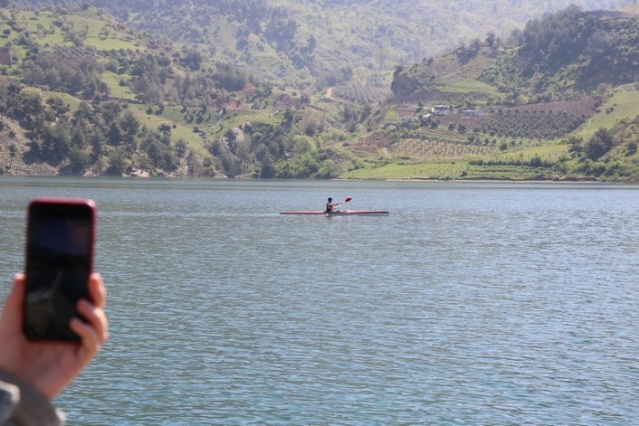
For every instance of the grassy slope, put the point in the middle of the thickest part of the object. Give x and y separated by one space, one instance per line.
622 104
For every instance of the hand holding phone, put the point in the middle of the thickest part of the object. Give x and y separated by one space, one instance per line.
59 260
49 366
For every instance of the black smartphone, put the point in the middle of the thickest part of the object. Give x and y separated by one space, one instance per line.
59 259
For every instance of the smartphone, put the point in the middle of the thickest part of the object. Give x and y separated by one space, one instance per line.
59 259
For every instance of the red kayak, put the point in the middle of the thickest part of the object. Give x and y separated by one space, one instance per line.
339 212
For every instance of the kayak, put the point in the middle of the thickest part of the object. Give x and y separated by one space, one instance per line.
339 212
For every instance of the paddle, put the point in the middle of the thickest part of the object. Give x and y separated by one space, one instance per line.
345 201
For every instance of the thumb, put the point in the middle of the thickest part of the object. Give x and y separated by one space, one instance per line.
14 305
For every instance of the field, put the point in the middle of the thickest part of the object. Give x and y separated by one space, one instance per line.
614 109
461 147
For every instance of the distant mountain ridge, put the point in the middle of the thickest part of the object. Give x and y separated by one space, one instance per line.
303 43
563 54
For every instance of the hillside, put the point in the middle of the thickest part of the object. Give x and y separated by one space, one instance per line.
320 43
86 92
537 96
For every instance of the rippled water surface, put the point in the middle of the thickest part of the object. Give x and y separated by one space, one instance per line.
469 304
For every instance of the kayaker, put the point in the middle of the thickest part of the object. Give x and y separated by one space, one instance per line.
329 206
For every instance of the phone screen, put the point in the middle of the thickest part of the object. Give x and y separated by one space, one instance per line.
59 258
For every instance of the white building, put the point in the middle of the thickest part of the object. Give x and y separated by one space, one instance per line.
441 110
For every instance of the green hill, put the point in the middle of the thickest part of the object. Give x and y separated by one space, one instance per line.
542 97
311 44
286 90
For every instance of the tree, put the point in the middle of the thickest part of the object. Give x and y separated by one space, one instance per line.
13 151
79 159
193 59
180 148
114 134
491 38
130 127
599 144
30 103
229 77
58 105
117 162
79 138
268 170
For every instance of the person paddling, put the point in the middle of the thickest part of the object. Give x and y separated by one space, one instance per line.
329 206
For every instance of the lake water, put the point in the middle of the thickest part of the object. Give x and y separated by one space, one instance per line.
471 303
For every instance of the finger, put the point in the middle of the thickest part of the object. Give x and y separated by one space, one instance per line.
93 312
96 319
90 340
97 290
17 290
14 303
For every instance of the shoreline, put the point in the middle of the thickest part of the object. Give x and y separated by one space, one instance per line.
145 176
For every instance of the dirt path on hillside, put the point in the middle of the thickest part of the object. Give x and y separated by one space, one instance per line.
329 95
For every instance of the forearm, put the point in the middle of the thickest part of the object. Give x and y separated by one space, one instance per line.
21 404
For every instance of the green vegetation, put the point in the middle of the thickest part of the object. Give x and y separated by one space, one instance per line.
555 85
276 89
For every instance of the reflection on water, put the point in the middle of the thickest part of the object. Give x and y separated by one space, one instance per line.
468 304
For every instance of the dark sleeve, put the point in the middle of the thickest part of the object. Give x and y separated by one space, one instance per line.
21 405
